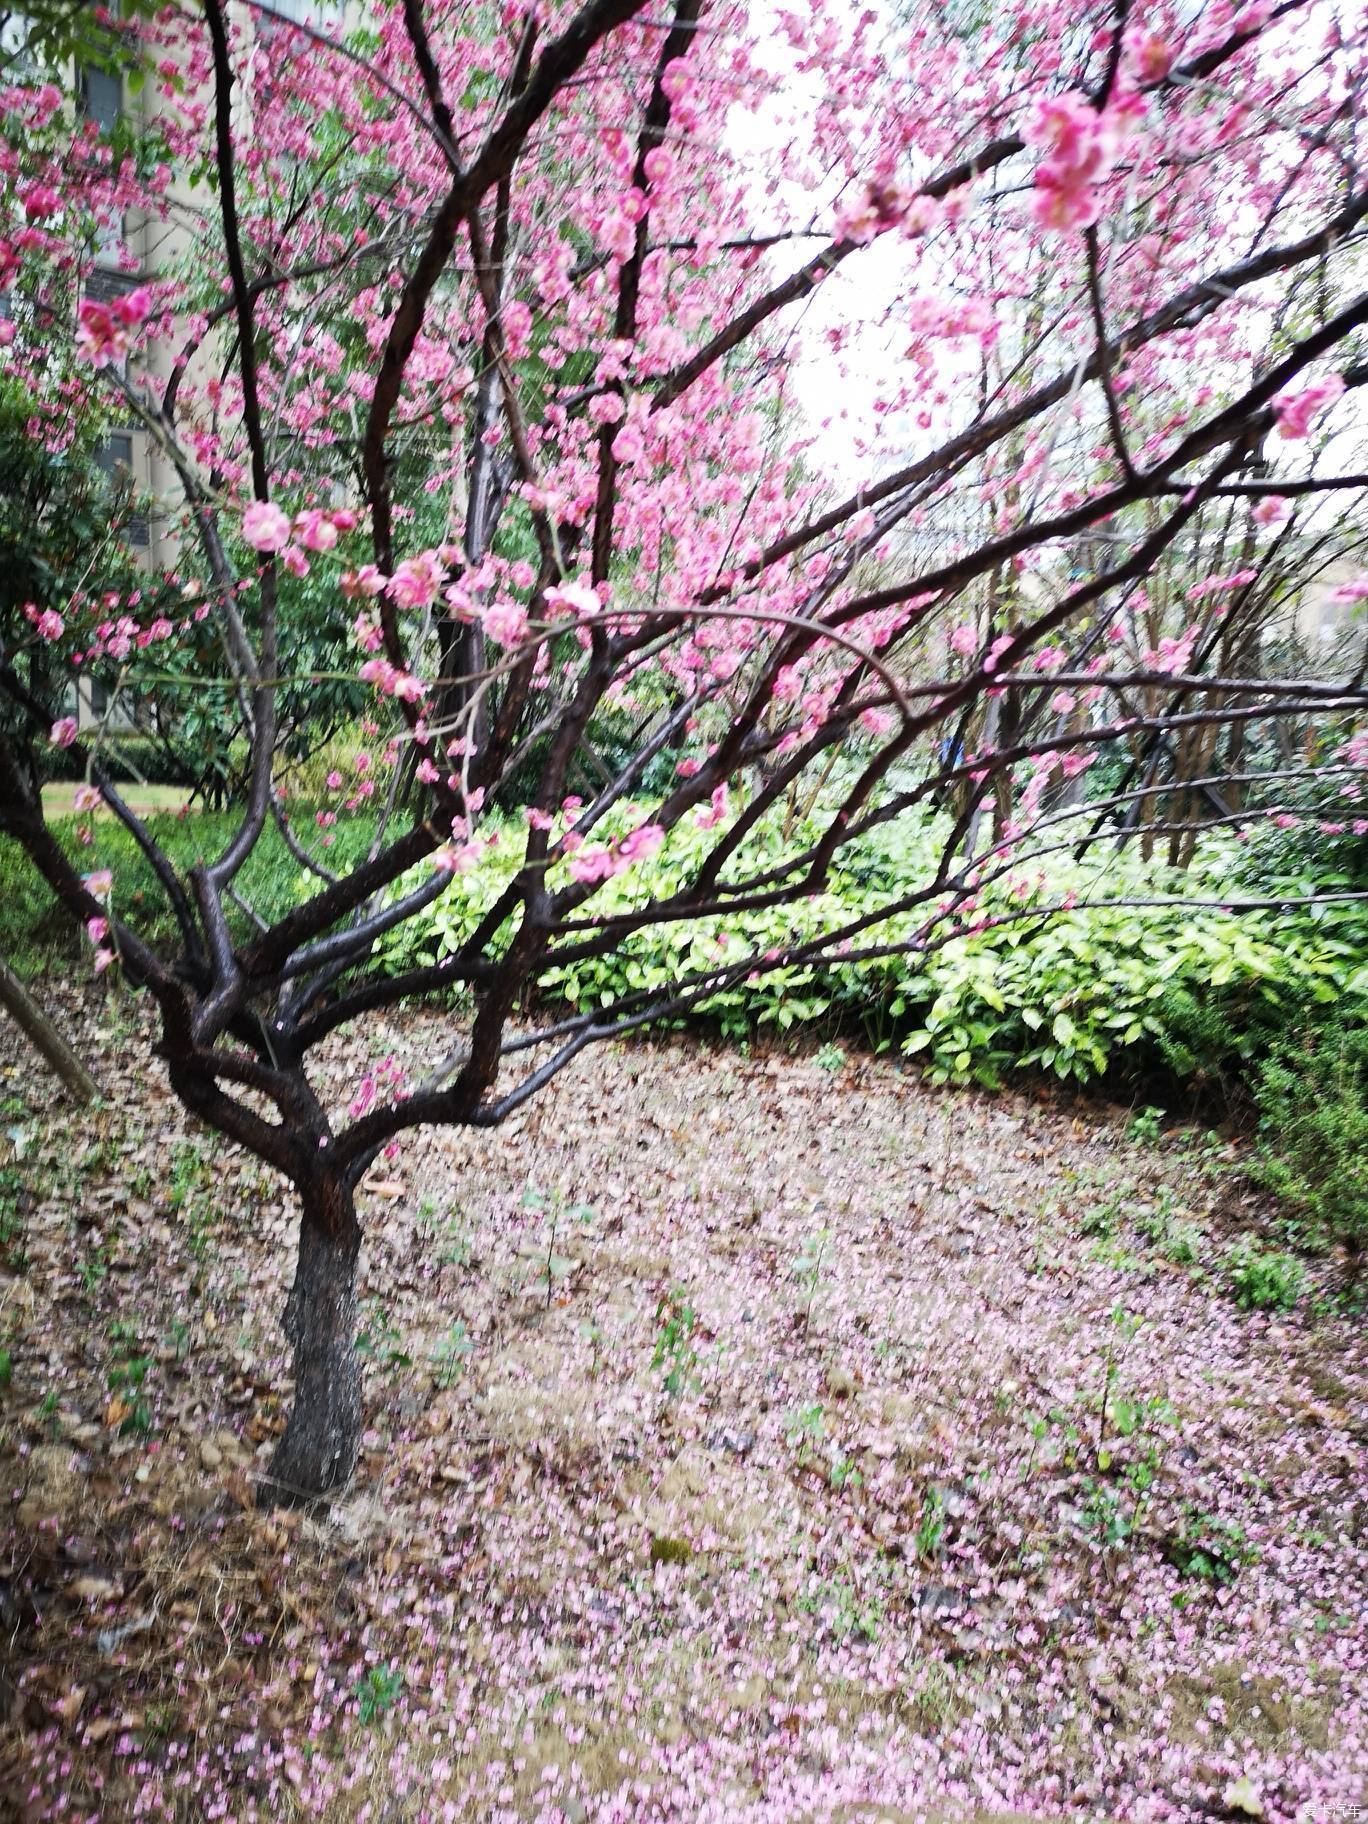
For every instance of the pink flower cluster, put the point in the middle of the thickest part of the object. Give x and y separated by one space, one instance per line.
1294 411
392 682
102 333
388 1074
595 861
1081 145
49 624
268 528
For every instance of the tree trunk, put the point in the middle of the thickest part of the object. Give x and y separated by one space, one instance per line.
44 1036
318 1451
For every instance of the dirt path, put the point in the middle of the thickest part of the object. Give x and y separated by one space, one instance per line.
738 1452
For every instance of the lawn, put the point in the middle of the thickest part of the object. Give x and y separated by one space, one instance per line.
142 800
750 1438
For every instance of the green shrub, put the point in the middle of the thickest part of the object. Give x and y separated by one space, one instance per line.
1196 992
1262 1279
1199 993
1312 1095
126 757
33 927
1207 1547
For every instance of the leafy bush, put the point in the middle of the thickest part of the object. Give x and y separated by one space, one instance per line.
125 757
1262 1278
1196 992
34 928
1312 1096
1207 1547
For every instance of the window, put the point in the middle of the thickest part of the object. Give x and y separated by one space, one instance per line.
114 460
99 95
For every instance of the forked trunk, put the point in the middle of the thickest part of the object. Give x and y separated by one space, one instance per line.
317 1453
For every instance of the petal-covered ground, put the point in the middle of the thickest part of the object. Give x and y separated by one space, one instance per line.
749 1441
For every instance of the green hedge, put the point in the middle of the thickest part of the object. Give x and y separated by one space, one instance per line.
1275 999
128 758
1187 989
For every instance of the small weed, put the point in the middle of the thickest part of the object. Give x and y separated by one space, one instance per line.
557 1212
674 1350
844 1607
830 1057
457 1250
806 1431
844 1472
378 1692
929 1537
1263 1279
128 1407
382 1341
1166 1226
1106 1517
1101 1218
11 1222
807 1269
191 1193
93 1268
450 1356
1146 1127
1208 1548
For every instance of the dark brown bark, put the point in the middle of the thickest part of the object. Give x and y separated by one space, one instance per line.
318 1451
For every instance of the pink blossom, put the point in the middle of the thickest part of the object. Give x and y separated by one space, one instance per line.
366 582
416 582
641 843
133 307
964 640
1148 55
64 731
1081 147
996 650
40 201
716 811
517 328
48 622
265 527
1272 510
102 329
100 337
316 530
1294 411
574 598
97 929
590 863
506 622
456 858
99 884
881 206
